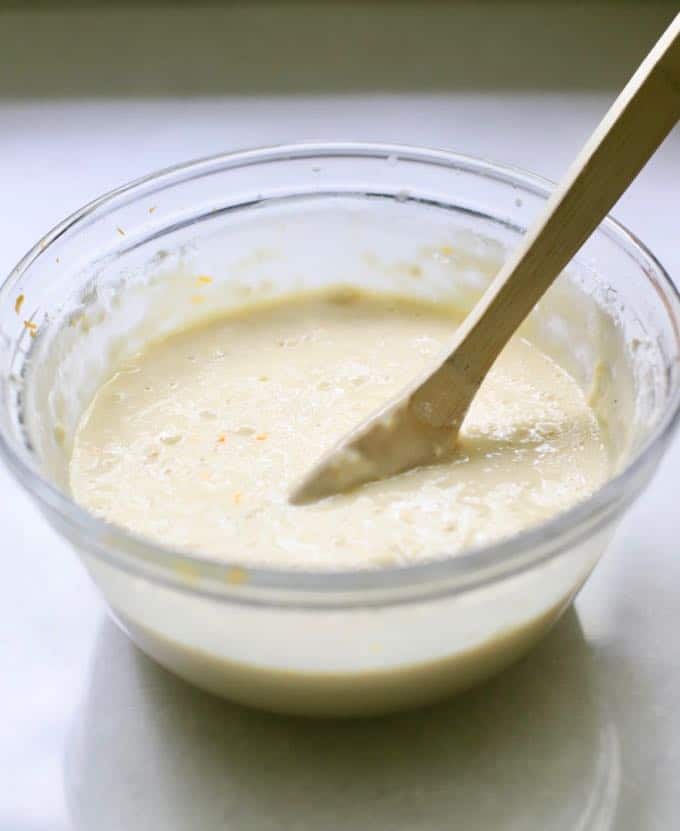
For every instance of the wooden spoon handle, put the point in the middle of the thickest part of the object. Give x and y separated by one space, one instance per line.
638 121
417 426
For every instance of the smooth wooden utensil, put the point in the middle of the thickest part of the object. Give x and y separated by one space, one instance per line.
421 425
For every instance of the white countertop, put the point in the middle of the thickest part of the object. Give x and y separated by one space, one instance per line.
583 734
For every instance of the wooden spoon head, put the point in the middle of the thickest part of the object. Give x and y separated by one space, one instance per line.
390 442
419 427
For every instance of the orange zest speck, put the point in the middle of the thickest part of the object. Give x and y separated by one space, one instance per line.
204 279
261 436
236 576
32 327
152 209
237 497
221 439
18 303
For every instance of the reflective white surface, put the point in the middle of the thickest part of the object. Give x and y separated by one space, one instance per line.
583 734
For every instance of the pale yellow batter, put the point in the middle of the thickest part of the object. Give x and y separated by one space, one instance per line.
198 440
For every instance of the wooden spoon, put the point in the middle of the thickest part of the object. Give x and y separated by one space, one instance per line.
421 425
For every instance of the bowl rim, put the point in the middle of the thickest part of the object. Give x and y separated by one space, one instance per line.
240 582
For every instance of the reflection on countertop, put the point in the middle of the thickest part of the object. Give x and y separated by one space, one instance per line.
532 749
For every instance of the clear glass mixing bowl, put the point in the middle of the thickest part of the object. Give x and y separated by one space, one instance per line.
264 222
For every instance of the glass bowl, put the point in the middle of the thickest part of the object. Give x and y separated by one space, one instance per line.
265 222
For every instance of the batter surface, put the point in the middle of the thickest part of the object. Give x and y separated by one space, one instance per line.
197 441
